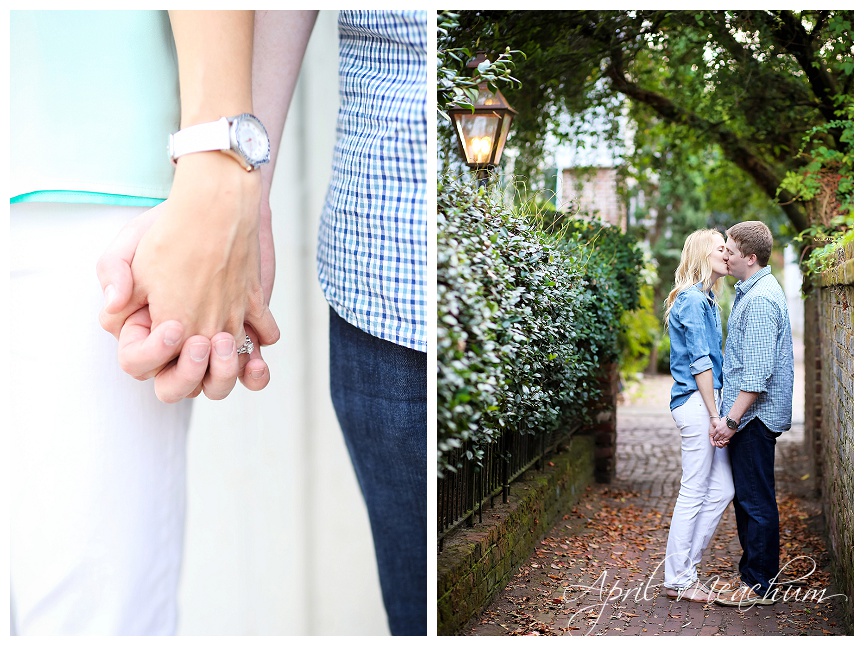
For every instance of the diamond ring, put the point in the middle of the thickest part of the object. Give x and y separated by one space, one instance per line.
247 346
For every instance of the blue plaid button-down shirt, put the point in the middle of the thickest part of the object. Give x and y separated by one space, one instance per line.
758 355
372 238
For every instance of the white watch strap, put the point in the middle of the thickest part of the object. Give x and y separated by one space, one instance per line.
213 135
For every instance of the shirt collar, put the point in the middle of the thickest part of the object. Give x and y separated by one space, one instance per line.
709 294
744 286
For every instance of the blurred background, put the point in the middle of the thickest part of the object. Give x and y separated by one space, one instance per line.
278 541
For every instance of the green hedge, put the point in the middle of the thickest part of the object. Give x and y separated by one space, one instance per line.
525 316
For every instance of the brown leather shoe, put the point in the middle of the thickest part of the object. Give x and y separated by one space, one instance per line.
743 597
720 586
697 592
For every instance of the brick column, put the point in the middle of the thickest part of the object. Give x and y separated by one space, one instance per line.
813 383
835 316
605 437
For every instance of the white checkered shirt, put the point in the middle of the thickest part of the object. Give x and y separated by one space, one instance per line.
372 239
758 355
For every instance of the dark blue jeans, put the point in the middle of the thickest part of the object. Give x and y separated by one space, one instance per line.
751 452
379 393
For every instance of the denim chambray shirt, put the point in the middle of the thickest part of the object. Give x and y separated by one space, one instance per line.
759 352
696 338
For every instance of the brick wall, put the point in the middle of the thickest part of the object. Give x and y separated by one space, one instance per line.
829 368
813 382
592 192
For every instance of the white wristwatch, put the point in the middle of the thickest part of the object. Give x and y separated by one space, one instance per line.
243 137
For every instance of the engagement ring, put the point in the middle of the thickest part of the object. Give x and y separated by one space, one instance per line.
247 347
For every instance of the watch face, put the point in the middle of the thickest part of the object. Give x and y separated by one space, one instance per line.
252 140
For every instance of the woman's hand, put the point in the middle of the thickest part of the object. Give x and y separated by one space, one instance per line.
199 263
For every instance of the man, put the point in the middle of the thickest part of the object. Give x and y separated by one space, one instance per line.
756 407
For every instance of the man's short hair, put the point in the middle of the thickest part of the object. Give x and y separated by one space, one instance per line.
753 237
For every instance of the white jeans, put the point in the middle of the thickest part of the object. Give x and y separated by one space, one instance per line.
706 491
98 463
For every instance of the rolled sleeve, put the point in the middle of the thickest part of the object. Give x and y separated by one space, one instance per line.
701 365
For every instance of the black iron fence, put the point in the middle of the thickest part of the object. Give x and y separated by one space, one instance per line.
463 492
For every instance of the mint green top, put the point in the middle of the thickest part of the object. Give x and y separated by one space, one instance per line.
94 96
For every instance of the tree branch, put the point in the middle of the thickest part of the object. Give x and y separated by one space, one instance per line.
792 36
733 147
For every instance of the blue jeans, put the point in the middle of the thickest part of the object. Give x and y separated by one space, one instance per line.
751 452
379 393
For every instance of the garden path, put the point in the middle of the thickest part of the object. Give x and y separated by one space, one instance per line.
596 572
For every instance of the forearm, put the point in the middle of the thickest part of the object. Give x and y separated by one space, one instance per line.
705 384
214 63
741 405
280 42
214 58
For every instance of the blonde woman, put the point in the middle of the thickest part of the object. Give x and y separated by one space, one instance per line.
695 333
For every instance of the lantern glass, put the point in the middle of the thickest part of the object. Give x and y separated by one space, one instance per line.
478 134
506 120
485 96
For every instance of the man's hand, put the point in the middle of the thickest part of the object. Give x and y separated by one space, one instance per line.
720 433
200 365
114 270
211 366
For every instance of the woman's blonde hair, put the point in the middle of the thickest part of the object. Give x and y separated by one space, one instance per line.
694 267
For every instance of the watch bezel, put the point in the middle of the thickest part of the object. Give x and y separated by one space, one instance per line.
731 423
237 146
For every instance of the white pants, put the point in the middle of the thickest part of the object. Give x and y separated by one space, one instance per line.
706 491
97 462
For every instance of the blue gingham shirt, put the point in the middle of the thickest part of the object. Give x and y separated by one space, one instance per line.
758 356
695 342
372 238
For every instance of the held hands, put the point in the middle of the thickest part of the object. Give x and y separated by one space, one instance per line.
183 284
719 433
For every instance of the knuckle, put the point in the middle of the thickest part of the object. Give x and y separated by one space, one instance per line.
169 388
169 393
216 389
166 398
128 366
103 267
274 336
108 322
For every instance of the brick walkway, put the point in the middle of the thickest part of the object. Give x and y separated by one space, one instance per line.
600 572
